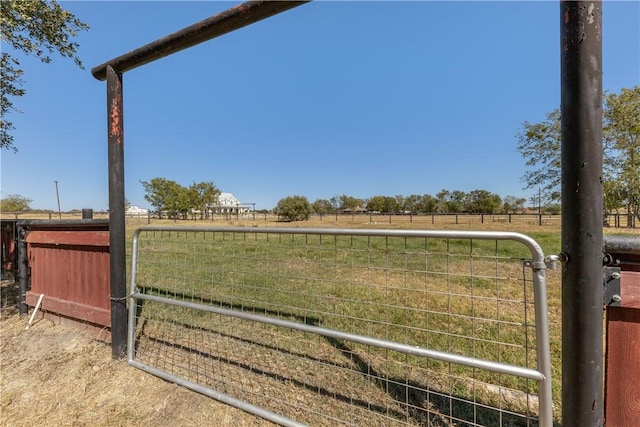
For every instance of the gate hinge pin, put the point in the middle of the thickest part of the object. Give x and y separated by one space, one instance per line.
552 260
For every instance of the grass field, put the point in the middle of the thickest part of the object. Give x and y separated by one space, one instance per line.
370 319
22 367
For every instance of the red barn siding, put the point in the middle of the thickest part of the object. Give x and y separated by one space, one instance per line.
71 268
8 241
622 397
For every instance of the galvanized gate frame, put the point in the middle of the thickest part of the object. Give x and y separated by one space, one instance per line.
538 265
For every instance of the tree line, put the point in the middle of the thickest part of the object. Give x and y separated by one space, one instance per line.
296 208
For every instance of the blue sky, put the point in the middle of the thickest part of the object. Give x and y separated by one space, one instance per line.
329 98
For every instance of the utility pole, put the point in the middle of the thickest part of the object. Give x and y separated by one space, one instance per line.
539 201
539 206
58 197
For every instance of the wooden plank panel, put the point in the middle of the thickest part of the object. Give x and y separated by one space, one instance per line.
94 315
630 289
622 394
78 274
75 238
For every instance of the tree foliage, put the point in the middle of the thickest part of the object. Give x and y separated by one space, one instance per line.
203 195
15 203
35 28
294 208
451 201
622 143
343 202
168 196
539 144
483 201
322 206
415 203
513 204
382 204
445 201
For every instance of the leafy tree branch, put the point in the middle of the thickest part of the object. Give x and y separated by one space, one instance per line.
36 28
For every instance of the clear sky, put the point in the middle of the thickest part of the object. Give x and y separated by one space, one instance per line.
329 98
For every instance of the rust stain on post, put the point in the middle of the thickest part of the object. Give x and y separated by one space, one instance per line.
115 113
114 98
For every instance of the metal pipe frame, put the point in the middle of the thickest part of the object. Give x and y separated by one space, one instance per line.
53 223
472 362
582 213
225 22
222 397
622 244
112 70
542 374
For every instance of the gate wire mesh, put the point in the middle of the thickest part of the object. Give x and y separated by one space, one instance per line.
458 295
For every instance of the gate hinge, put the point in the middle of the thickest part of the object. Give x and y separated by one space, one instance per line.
611 283
552 260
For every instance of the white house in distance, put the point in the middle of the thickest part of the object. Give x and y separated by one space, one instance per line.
229 204
136 211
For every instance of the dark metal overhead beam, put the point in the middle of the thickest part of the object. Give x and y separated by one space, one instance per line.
231 19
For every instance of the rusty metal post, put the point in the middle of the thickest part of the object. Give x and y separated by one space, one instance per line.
117 254
582 213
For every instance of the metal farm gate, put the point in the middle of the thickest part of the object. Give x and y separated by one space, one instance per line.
352 327
580 44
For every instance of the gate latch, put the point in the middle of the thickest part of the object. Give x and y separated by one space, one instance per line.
611 284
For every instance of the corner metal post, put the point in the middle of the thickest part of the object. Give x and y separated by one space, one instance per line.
117 255
582 213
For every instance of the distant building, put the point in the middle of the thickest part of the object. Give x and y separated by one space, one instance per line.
136 211
356 210
229 204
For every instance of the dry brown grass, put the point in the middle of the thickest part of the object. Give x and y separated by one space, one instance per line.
57 375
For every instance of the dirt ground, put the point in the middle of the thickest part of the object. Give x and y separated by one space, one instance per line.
56 375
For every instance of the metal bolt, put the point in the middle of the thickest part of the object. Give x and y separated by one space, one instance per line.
615 275
563 257
616 298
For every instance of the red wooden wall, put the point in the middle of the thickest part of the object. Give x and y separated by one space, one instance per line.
71 268
8 242
622 373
